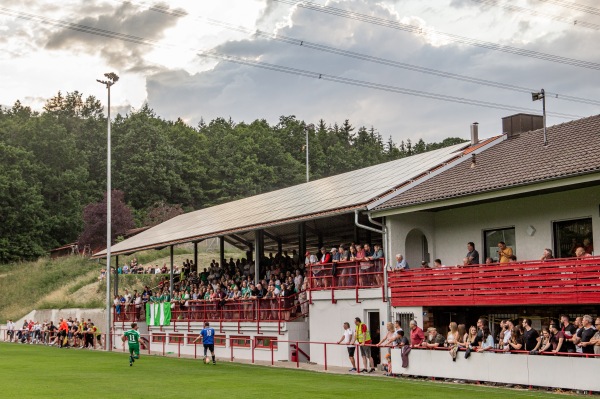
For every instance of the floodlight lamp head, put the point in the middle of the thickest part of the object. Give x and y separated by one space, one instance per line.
537 96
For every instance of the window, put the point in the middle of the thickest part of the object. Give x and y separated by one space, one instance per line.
159 337
491 238
176 338
404 319
265 342
570 234
220 340
240 342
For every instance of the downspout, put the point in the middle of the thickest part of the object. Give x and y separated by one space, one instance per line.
386 253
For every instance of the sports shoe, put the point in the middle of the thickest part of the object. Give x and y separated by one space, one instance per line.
214 363
372 370
352 369
363 370
130 361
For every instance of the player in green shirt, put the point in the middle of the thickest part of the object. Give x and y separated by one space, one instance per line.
133 338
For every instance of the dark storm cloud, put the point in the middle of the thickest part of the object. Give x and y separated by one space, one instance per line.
247 93
125 19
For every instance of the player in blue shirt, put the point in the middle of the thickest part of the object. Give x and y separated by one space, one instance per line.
208 340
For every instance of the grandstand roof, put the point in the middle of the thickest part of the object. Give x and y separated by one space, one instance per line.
320 198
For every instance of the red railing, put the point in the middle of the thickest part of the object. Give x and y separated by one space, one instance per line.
279 309
564 281
346 275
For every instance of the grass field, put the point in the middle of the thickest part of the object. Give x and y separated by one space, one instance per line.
29 371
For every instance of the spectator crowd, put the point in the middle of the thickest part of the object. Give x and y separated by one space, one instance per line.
67 333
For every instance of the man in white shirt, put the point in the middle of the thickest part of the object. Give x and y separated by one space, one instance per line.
10 330
348 338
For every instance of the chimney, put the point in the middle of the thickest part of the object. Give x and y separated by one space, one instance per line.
514 125
474 133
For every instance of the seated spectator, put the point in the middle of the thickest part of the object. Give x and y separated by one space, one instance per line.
581 253
425 265
452 337
487 342
438 263
547 255
587 246
472 256
401 263
489 261
434 340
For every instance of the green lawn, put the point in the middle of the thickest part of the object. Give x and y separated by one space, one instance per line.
31 371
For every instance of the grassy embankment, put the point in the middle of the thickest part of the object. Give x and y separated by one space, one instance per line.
72 282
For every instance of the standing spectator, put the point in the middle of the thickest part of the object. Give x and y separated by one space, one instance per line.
531 337
347 339
363 337
452 337
557 339
416 334
585 335
516 340
596 338
569 331
545 343
579 325
10 330
587 246
504 252
389 337
508 329
472 257
487 342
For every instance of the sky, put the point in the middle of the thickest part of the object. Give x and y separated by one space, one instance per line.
41 54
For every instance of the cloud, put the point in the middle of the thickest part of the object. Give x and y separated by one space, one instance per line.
126 19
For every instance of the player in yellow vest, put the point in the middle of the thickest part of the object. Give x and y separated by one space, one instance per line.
363 337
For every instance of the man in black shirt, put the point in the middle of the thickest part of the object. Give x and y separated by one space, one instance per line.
530 336
569 330
472 257
586 334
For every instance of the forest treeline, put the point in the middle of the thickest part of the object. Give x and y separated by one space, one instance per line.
53 164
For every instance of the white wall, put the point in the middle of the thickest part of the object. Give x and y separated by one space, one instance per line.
546 371
327 319
449 231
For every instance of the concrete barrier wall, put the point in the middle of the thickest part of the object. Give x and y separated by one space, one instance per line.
519 369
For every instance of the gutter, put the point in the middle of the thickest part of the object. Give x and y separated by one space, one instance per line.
386 252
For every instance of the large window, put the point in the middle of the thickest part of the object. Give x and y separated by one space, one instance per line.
491 238
570 234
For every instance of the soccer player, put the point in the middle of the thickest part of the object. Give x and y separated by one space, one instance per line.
208 340
133 338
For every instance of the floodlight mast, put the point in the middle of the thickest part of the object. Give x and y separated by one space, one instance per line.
112 79
541 95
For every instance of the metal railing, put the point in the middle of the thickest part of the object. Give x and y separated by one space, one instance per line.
356 275
557 281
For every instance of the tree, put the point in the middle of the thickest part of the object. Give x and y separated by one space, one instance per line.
23 217
94 221
160 212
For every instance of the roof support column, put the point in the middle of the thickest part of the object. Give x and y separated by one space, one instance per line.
301 244
258 253
196 257
171 275
116 285
221 250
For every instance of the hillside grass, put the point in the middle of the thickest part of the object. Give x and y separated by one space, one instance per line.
72 281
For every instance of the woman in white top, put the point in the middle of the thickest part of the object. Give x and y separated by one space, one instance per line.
389 337
452 337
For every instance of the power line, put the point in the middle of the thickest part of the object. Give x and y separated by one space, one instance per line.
448 36
519 9
273 67
574 6
364 57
